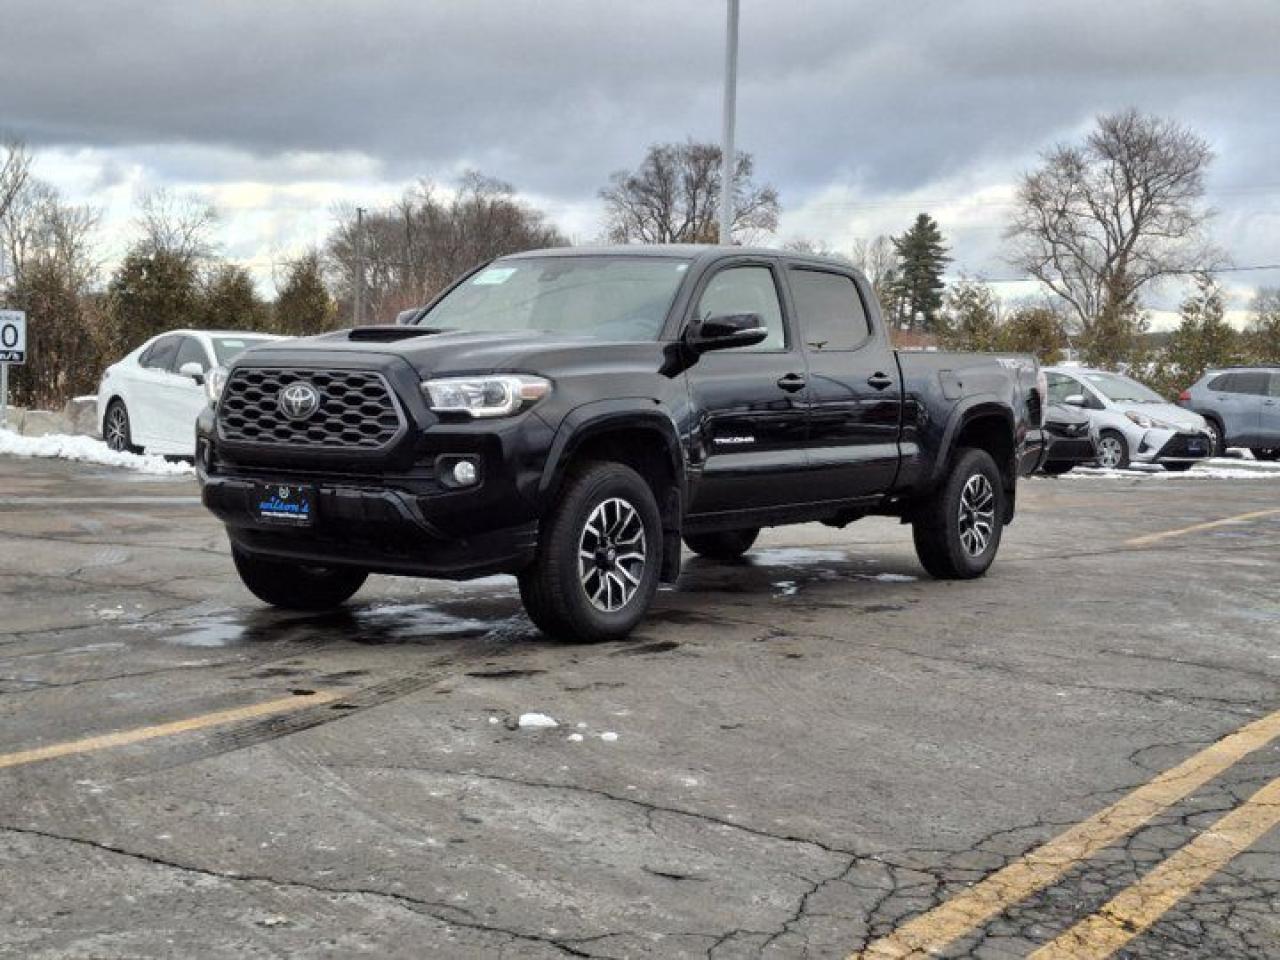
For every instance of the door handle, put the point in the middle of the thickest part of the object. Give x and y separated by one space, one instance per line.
879 380
792 382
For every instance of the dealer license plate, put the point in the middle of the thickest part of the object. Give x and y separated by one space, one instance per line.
285 503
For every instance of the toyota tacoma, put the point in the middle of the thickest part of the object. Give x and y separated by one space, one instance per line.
573 416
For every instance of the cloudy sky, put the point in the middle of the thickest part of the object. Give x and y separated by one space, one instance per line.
861 114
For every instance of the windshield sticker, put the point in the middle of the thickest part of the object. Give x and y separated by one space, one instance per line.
494 276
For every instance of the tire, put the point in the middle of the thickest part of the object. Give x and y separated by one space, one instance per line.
1057 468
1181 467
605 509
296 586
944 530
1217 439
117 430
723 546
1113 451
1265 453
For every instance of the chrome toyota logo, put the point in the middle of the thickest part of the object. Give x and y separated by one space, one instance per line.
298 401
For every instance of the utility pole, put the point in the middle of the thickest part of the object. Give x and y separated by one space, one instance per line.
358 299
726 139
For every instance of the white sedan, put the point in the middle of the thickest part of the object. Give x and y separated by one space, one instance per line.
149 401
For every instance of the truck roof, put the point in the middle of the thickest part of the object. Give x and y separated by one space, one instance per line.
689 251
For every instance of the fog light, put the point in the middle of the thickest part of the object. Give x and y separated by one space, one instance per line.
464 473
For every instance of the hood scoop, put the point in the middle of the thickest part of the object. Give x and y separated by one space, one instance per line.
388 334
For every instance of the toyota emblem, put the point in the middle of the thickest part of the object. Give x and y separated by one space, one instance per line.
298 400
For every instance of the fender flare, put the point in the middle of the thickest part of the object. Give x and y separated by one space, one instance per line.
966 411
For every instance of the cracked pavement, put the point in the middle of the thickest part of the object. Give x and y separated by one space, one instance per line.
810 747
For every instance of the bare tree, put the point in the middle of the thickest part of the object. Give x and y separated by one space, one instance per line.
674 197
1099 222
878 259
15 169
180 225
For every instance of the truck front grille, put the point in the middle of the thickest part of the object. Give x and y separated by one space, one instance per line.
356 409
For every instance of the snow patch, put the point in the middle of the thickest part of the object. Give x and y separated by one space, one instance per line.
796 556
575 738
87 450
787 588
888 577
537 721
1255 471
608 736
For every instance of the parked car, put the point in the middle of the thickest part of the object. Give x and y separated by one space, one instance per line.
1072 440
1241 406
149 401
569 416
1134 424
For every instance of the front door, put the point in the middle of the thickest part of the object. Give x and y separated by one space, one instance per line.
749 436
855 391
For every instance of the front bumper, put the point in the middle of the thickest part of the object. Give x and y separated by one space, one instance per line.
1071 450
1170 446
379 530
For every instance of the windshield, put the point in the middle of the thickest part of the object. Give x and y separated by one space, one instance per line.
226 349
611 298
1119 389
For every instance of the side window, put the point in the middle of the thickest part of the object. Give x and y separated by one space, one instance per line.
1254 384
1061 387
746 290
191 351
1219 383
828 310
161 354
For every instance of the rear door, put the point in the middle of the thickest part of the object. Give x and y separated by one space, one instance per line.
855 391
1237 400
750 402
1269 424
147 392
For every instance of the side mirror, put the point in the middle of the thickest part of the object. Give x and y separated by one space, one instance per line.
1074 400
193 370
723 332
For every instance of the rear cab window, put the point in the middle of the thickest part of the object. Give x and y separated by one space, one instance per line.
829 310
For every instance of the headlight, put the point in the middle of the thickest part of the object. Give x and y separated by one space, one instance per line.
214 381
496 396
1149 423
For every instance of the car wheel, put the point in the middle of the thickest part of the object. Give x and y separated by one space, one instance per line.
1217 442
116 429
1057 468
596 569
296 586
957 533
1113 451
1265 453
723 545
1181 467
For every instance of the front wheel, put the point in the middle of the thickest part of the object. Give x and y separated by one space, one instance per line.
296 586
958 532
723 546
596 569
1113 451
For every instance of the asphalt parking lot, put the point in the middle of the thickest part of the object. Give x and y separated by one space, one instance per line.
817 753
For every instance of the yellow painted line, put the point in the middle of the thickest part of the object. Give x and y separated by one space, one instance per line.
931 931
1197 527
1135 909
126 737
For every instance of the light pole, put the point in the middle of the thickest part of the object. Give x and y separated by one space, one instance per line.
726 139
357 301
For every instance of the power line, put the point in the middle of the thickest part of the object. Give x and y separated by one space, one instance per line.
1176 273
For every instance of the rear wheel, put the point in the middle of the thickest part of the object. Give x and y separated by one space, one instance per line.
1113 451
1265 453
296 586
958 532
116 429
722 545
1217 443
598 559
1057 468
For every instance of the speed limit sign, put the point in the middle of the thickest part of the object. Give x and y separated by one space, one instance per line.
13 336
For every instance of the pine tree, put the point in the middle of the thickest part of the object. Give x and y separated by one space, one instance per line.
971 320
304 306
922 256
1203 339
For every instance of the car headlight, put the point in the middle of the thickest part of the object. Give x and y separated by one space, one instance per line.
495 396
1149 423
214 381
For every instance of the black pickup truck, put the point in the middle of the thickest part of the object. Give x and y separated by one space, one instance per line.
570 416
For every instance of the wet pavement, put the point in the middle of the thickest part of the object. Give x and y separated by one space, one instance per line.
794 756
